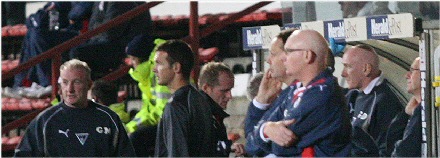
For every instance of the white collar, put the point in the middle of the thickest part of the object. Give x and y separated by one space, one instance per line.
377 81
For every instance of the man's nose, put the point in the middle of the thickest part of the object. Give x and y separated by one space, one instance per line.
408 75
344 73
229 95
70 87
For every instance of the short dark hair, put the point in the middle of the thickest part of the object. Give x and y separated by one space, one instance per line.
331 60
283 35
105 91
179 51
210 73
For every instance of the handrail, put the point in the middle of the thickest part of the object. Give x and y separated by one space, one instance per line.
207 31
230 19
124 69
78 40
22 121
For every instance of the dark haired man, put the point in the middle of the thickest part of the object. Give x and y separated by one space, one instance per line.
185 127
106 93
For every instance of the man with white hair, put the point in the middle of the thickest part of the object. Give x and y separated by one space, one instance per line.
77 127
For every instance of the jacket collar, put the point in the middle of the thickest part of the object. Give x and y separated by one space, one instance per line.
215 108
376 82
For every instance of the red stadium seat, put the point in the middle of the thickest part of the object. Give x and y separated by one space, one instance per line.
206 55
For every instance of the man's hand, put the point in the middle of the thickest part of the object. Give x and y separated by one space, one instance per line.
279 133
269 89
238 148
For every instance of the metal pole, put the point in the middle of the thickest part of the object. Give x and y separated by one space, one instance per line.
194 34
425 69
256 62
56 63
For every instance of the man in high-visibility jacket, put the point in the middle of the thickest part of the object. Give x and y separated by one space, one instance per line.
142 129
106 93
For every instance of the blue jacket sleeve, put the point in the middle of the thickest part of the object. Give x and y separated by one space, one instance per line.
321 121
30 145
411 143
316 111
254 115
255 145
395 132
80 11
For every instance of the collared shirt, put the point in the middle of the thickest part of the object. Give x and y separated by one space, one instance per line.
376 82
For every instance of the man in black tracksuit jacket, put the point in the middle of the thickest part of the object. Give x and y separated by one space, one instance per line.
77 127
219 135
185 127
372 102
94 131
216 81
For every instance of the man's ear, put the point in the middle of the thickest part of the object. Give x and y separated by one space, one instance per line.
177 67
309 57
367 70
90 83
205 87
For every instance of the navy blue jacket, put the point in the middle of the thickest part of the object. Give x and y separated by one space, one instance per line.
255 115
395 131
373 114
124 33
411 144
321 120
63 131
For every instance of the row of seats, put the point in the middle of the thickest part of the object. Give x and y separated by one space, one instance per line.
9 64
11 140
170 20
9 143
23 104
16 30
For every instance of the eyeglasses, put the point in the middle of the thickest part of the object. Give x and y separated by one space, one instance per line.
412 69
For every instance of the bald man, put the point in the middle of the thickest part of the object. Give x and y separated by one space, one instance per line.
372 102
316 116
411 140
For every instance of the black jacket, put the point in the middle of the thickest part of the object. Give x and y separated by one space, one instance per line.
62 131
371 115
123 33
185 127
411 143
220 137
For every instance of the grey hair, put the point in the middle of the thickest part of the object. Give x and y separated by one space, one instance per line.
77 64
254 84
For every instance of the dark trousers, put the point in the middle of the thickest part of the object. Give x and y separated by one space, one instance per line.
144 140
102 57
36 42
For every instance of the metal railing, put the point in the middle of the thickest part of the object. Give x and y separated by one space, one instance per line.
55 53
